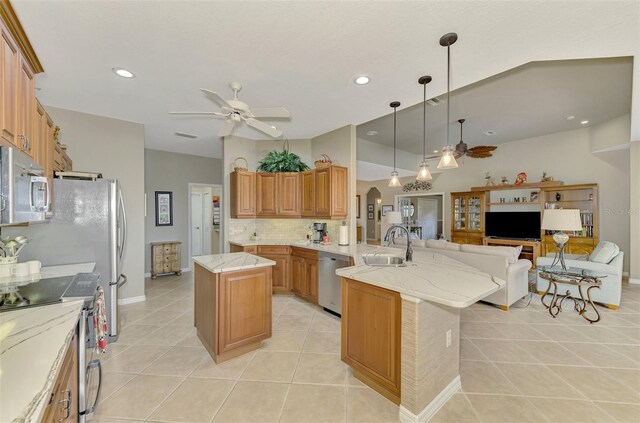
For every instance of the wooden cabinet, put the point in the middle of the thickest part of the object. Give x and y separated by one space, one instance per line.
304 273
165 258
266 194
63 402
26 108
371 335
9 63
288 194
325 194
282 269
232 310
243 194
467 217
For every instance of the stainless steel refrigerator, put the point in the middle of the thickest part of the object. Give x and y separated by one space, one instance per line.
88 225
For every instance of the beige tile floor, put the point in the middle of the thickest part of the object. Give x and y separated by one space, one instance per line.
516 366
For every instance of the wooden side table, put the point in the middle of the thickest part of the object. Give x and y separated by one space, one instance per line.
531 250
165 258
575 277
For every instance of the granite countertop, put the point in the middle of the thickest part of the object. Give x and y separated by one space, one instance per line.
348 250
220 263
49 272
33 343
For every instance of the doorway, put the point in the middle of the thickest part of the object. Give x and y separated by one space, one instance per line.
204 219
422 214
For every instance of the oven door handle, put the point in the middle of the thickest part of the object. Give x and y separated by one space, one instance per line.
92 365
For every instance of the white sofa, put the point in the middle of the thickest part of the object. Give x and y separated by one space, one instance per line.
501 262
611 288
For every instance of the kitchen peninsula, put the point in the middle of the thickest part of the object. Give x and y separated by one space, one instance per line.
232 303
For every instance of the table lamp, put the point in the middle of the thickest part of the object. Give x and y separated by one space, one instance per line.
393 218
560 220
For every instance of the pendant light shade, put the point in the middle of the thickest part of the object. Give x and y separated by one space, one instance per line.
394 181
448 160
423 170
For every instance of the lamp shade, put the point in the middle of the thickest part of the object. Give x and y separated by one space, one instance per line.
561 220
393 218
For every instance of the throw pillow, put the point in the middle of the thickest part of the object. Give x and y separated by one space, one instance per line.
604 252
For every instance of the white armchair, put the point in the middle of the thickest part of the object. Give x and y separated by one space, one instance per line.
611 288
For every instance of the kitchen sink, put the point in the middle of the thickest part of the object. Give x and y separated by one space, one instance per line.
386 260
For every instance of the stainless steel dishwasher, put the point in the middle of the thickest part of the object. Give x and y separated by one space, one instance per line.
329 284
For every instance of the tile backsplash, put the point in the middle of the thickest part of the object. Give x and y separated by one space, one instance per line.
278 229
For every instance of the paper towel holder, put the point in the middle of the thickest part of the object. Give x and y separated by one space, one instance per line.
343 239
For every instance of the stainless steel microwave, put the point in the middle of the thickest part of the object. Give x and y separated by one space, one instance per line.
25 193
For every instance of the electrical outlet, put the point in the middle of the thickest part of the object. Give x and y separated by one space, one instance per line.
448 338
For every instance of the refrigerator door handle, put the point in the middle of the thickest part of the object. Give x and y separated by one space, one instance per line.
122 280
123 238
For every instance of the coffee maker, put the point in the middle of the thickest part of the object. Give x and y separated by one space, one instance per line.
319 230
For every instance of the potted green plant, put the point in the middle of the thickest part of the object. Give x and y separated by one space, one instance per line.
282 161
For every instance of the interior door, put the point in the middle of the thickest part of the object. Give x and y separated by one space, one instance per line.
196 224
428 217
207 219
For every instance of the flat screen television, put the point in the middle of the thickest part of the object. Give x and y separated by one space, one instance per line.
515 225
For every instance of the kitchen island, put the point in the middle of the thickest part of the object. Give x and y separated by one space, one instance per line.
232 303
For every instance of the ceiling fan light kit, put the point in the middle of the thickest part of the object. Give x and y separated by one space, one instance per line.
394 181
423 170
448 161
235 112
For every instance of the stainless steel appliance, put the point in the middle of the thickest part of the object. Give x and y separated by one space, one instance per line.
330 284
88 224
24 190
319 230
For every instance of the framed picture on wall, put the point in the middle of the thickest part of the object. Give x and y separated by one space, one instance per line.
370 208
357 207
370 215
386 208
164 208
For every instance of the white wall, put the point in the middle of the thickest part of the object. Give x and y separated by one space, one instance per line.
566 156
612 135
114 148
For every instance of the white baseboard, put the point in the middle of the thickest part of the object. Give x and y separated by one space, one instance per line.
625 274
634 280
131 300
184 269
430 410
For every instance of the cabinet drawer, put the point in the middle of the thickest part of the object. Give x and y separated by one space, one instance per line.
251 249
170 257
274 249
175 248
304 253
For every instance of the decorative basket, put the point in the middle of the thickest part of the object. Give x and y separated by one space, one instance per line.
323 161
237 167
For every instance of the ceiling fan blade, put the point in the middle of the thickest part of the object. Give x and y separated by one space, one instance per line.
263 127
227 128
216 98
200 113
482 148
270 112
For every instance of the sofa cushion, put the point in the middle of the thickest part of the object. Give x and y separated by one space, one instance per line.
510 253
604 252
442 244
414 242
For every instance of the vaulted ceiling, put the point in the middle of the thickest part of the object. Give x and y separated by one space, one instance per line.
302 55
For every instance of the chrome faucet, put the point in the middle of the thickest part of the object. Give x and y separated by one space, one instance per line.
389 240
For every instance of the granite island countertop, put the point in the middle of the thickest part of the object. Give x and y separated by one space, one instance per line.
33 344
230 262
50 272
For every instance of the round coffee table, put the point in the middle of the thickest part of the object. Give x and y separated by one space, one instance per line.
570 276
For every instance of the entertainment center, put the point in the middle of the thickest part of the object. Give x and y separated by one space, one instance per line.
510 215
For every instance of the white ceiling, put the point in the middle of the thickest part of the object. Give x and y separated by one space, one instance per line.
302 55
529 101
367 171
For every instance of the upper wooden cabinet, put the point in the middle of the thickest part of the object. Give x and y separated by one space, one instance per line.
266 194
325 193
243 194
26 109
288 194
9 63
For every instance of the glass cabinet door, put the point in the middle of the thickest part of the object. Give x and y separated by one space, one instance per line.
475 213
460 213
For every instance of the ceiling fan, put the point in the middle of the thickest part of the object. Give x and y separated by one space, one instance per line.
478 152
235 112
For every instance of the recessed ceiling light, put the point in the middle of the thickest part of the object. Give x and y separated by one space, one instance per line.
436 151
362 80
372 133
123 73
489 133
584 122
570 117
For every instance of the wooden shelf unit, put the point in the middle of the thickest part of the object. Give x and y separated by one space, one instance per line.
466 229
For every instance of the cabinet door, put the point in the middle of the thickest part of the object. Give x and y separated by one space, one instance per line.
311 279
41 137
371 331
267 198
323 192
339 188
243 194
298 284
288 194
280 272
475 212
244 308
459 209
50 149
9 63
308 190
26 108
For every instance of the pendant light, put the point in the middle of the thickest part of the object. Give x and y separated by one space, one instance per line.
394 182
423 170
448 160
